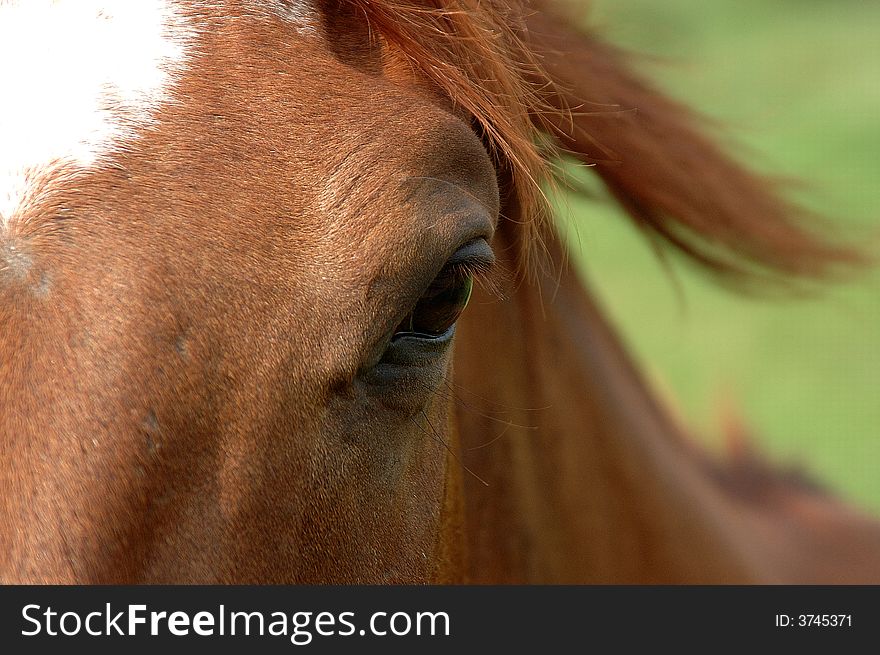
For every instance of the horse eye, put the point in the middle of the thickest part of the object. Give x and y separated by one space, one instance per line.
440 306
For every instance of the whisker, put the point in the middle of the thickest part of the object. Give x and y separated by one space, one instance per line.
497 404
446 446
452 396
460 402
491 441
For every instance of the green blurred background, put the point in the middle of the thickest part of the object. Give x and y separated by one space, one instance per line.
796 84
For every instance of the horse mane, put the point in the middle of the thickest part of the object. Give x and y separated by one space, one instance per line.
535 86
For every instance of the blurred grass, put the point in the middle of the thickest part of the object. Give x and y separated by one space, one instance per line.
797 84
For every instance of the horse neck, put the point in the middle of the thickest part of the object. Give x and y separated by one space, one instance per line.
573 472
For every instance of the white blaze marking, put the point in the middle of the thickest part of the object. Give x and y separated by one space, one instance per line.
78 80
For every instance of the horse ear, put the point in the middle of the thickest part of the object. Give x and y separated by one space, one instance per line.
674 182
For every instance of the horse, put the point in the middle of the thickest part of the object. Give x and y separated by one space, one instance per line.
280 302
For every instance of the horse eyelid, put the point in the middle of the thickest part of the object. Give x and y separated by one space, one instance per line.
473 258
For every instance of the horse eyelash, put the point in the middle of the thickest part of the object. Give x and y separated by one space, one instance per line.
487 275
478 268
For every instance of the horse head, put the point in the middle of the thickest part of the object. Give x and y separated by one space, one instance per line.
237 240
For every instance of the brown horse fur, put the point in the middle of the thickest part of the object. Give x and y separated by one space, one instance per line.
187 334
